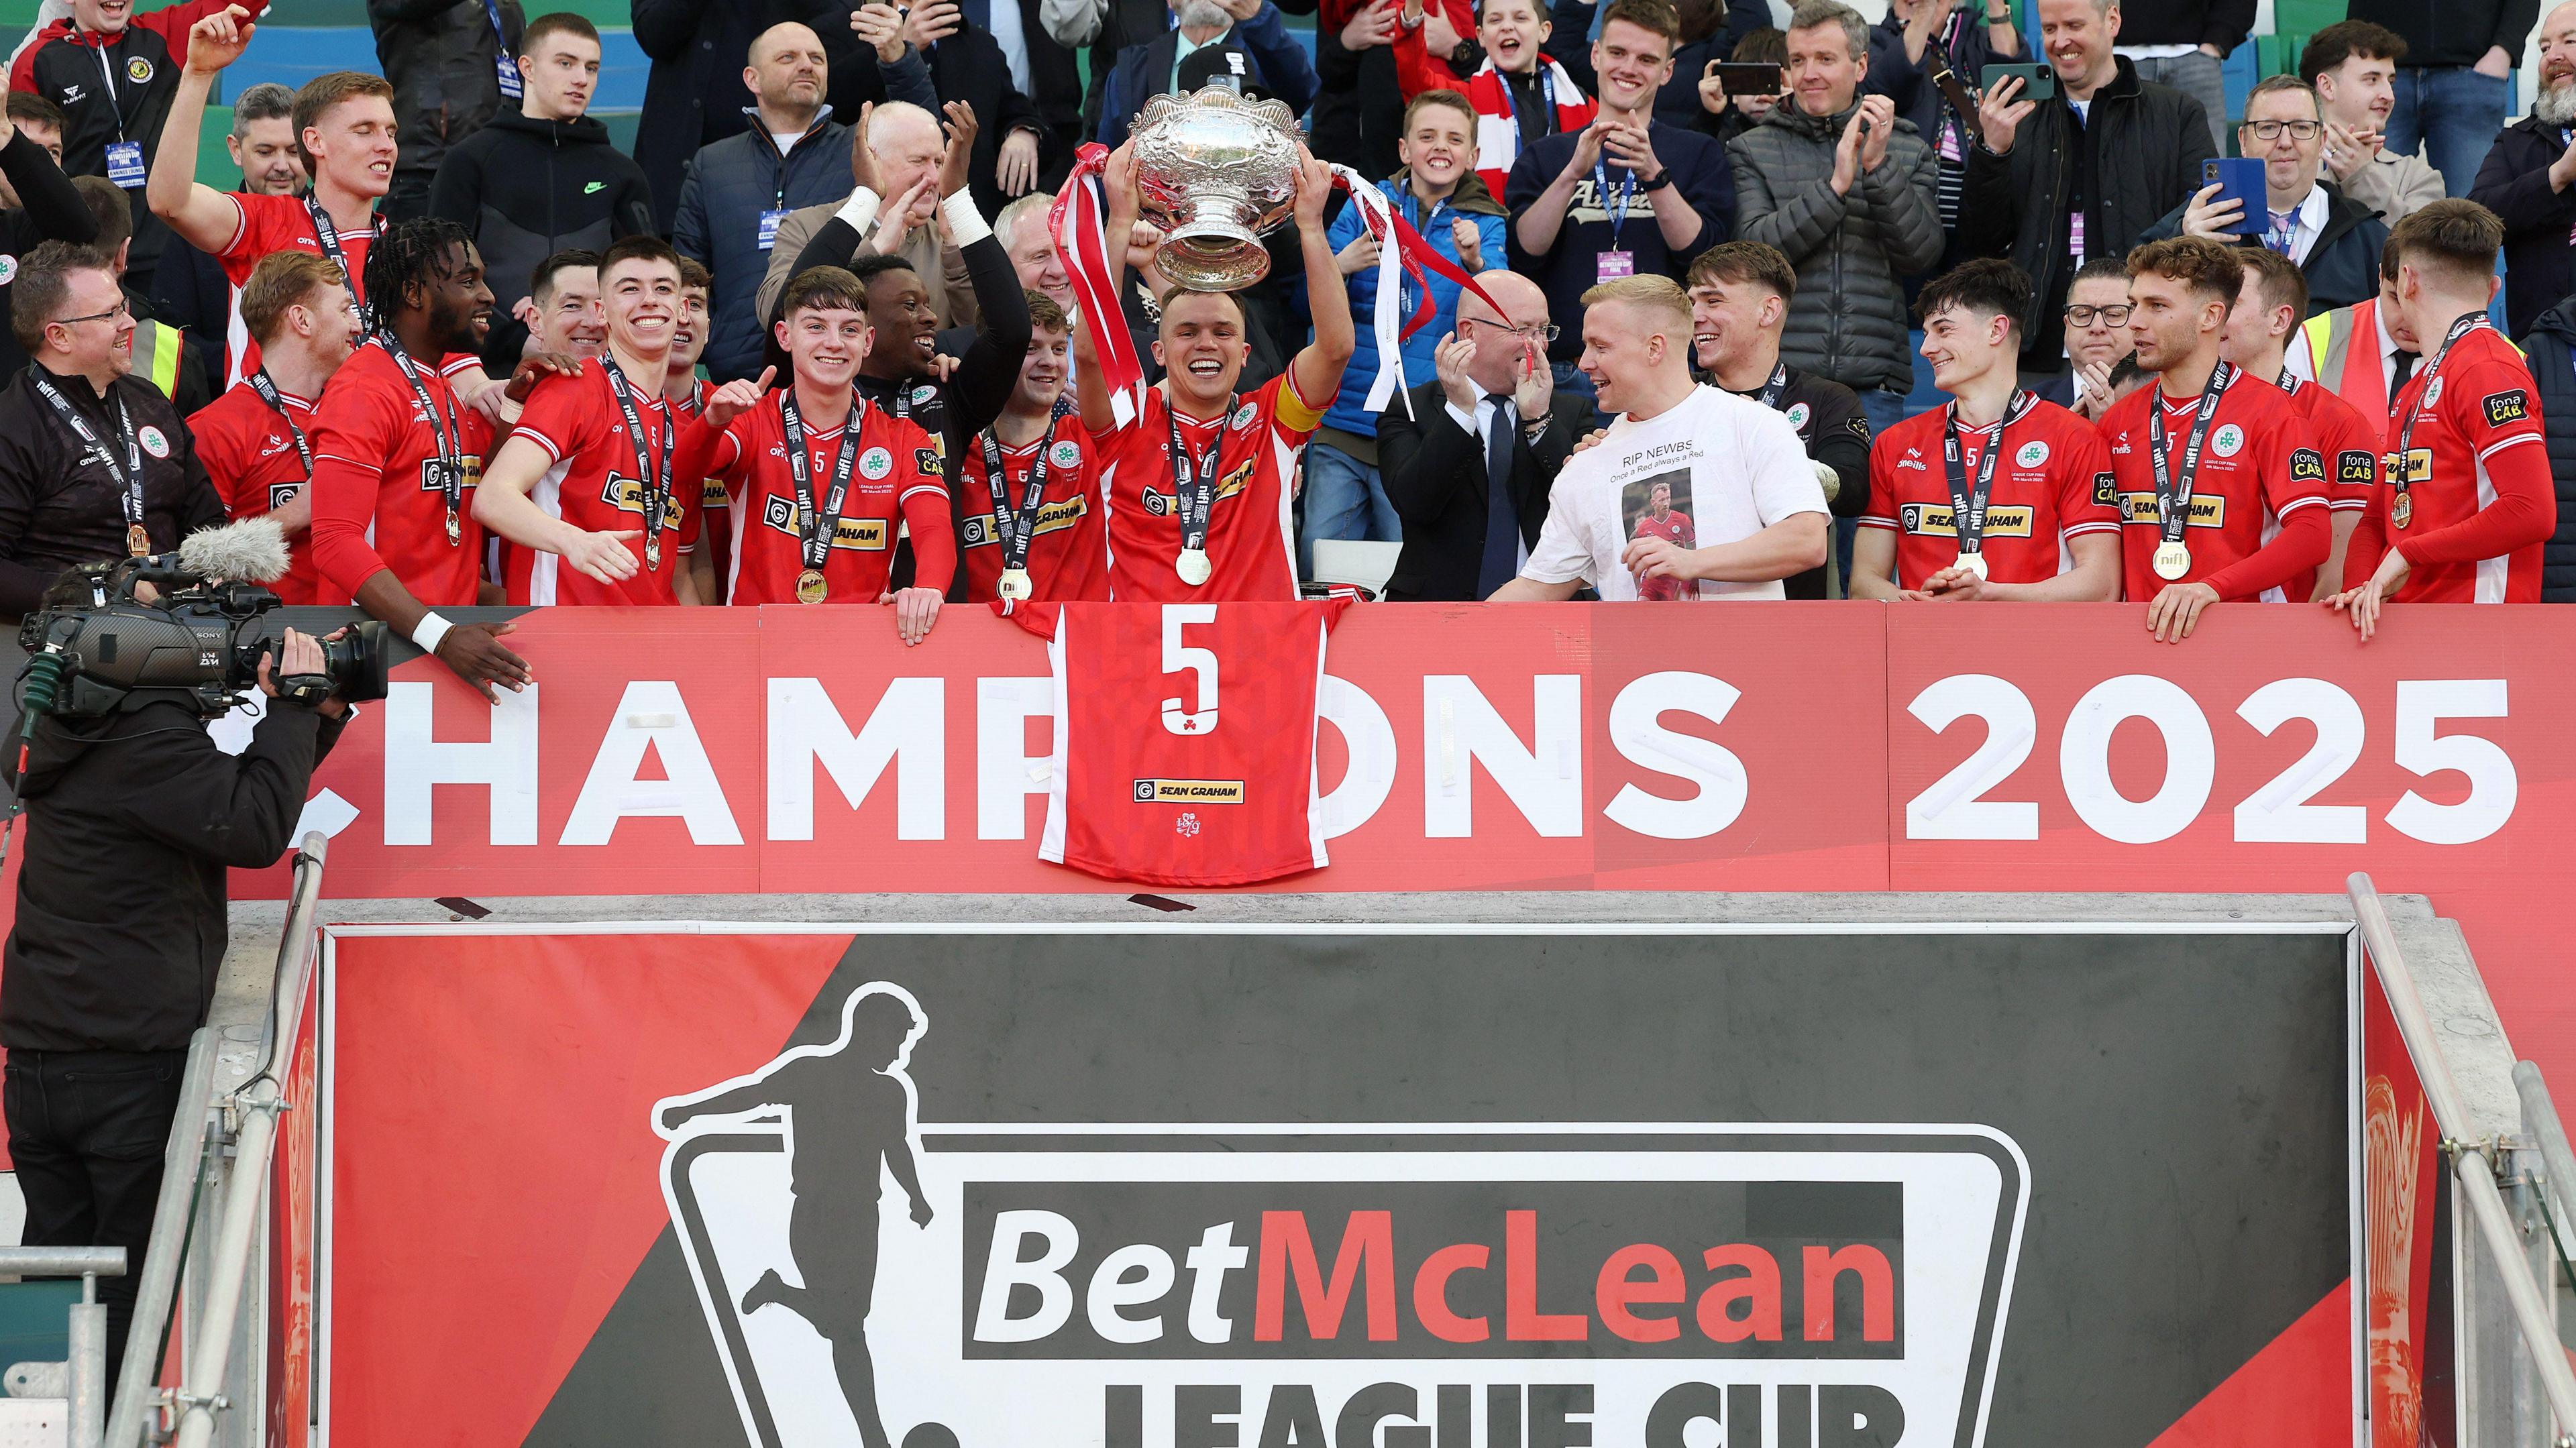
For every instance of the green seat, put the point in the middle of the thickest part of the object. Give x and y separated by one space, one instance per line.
35 1320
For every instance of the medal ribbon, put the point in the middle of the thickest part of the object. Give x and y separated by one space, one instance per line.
267 390
449 432
129 475
653 472
329 237
1769 396
2173 499
1194 489
1967 503
814 531
1016 525
2424 387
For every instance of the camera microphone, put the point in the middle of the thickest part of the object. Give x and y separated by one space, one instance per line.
250 551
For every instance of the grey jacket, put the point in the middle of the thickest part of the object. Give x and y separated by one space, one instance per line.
1847 321
2395 185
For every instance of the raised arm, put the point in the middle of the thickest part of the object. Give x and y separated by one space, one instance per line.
1316 370
203 217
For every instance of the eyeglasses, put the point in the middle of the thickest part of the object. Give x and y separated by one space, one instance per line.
2112 316
1539 332
119 311
2271 130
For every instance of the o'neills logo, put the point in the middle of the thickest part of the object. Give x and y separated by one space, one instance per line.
868 1279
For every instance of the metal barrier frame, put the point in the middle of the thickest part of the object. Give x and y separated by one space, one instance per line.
213 1206
2477 1161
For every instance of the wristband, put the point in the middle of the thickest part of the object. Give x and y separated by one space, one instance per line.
860 209
1657 182
429 631
966 225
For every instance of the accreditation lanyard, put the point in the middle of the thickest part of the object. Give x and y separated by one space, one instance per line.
2424 393
1601 192
128 475
1512 105
1771 391
1968 501
107 73
652 469
2173 497
328 237
814 530
1194 487
449 432
511 85
1016 525
267 390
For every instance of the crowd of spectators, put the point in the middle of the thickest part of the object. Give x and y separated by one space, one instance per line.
1814 221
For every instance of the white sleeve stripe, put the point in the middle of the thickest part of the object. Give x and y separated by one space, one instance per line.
1872 520
2295 504
906 495
2500 446
2344 505
553 453
2072 529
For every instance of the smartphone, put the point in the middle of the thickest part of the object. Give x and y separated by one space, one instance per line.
2238 178
1751 79
2038 82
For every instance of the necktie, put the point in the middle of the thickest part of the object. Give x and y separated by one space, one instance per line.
2285 226
1502 520
2397 379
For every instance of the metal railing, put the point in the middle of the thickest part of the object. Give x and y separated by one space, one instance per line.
2475 1162
214 1182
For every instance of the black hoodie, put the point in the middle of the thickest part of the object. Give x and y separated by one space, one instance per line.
2549 349
526 189
132 821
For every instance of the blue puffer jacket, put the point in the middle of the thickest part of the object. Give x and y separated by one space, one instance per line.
730 183
1471 199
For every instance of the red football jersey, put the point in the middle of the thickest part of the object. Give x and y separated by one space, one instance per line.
2351 448
275 223
1674 527
715 510
1068 553
894 483
1250 545
2259 465
2479 502
2054 483
377 500
594 485
249 450
1185 739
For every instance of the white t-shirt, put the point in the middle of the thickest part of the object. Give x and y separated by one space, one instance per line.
1715 468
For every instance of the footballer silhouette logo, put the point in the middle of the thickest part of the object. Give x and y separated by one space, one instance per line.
846 1117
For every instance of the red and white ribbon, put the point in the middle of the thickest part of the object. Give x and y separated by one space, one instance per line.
1402 251
1085 251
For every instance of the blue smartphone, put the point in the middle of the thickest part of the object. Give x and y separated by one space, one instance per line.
2239 178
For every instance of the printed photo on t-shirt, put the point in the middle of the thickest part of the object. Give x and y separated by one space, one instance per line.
1659 506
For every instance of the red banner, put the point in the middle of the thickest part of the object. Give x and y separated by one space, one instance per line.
1793 747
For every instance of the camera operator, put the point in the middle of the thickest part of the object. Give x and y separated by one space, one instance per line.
132 819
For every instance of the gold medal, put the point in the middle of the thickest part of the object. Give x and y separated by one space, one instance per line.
2402 511
2173 560
455 530
1973 562
810 587
137 542
1015 584
1193 566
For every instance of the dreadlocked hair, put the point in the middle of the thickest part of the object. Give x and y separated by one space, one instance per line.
404 255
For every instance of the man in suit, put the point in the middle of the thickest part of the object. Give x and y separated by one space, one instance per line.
2096 315
1492 397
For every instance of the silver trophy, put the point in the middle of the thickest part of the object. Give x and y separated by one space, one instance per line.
1213 172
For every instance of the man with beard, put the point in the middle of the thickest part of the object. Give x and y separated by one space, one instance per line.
1739 300
257 439
2526 179
396 454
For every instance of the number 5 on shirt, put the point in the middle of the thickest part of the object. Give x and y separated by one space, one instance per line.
1180 658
